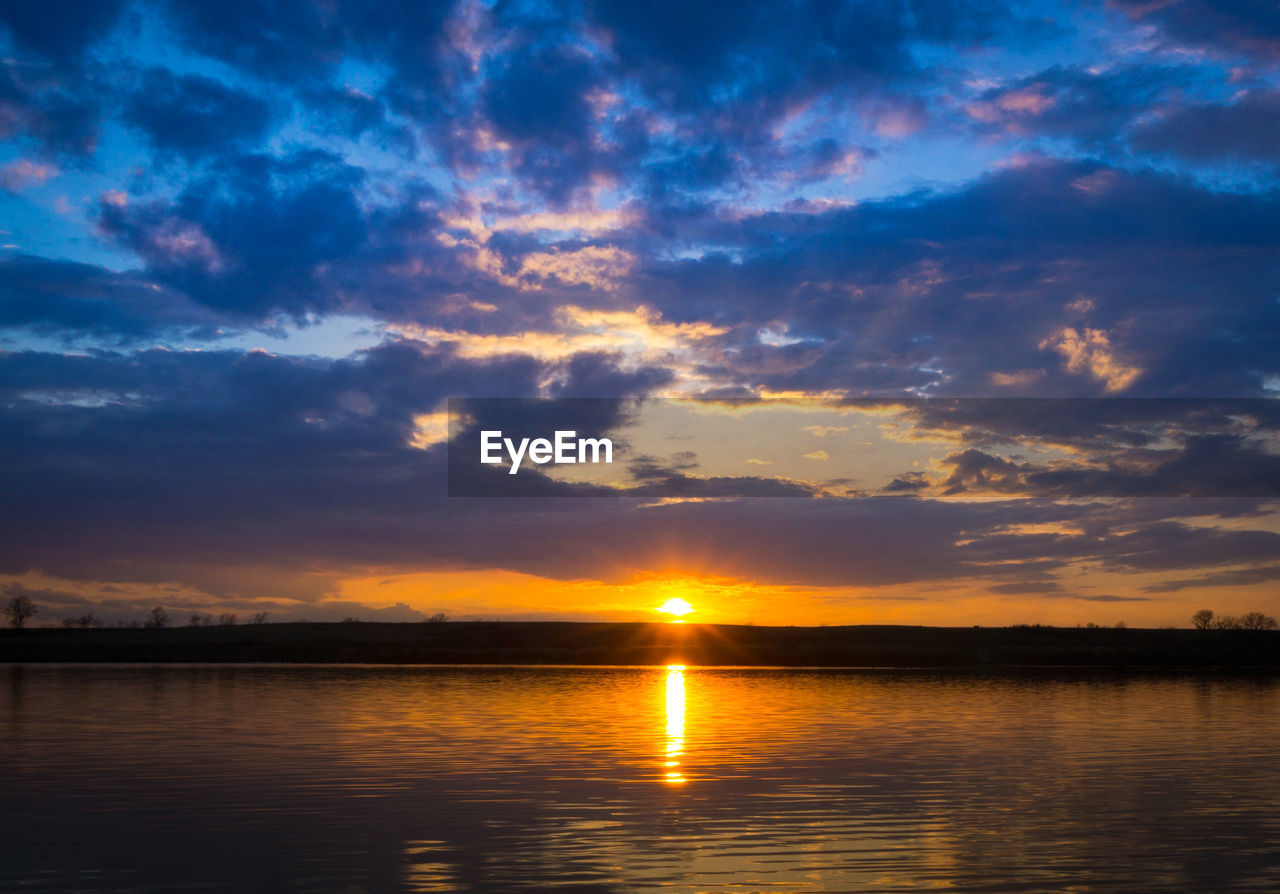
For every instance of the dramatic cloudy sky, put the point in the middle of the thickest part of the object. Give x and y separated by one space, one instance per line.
250 249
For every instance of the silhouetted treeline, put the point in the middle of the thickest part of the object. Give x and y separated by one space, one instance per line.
1205 619
651 644
20 609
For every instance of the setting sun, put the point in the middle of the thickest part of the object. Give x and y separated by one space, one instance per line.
676 607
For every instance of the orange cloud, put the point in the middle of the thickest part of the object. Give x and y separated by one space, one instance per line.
598 266
1020 379
1090 351
639 335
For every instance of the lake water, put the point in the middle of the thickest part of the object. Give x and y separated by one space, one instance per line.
361 779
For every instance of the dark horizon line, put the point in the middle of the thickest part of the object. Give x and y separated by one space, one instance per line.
647 644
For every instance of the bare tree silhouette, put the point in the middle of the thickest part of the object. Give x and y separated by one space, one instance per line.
259 618
226 619
1203 619
157 619
1257 621
19 610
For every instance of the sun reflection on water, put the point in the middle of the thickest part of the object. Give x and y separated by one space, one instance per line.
675 724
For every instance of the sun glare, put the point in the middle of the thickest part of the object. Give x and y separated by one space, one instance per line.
677 608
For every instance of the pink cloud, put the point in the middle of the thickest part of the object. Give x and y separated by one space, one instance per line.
18 175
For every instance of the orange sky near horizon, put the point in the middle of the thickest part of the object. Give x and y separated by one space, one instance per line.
718 600
392 595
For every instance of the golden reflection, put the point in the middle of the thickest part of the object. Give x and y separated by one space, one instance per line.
675 723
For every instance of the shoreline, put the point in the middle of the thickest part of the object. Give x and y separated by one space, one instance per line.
602 644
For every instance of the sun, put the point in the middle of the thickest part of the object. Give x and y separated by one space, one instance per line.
677 608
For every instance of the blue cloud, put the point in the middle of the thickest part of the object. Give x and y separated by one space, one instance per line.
195 116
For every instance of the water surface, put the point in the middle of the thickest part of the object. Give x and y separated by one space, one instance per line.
363 779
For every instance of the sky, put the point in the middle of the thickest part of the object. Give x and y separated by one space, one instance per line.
248 252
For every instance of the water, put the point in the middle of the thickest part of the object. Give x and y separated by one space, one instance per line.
355 779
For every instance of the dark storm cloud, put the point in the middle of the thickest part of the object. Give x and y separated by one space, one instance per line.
1087 423
724 75
691 55
1158 286
60 115
666 94
1245 130
1240 577
918 290
1231 27
353 113
63 297
1092 108
536 98
274 461
1218 466
59 30
1140 271
1116 447
195 116
258 236
1205 466
55 92
1155 546
975 470
599 374
46 92
909 482
1135 109
298 39
161 463
213 446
